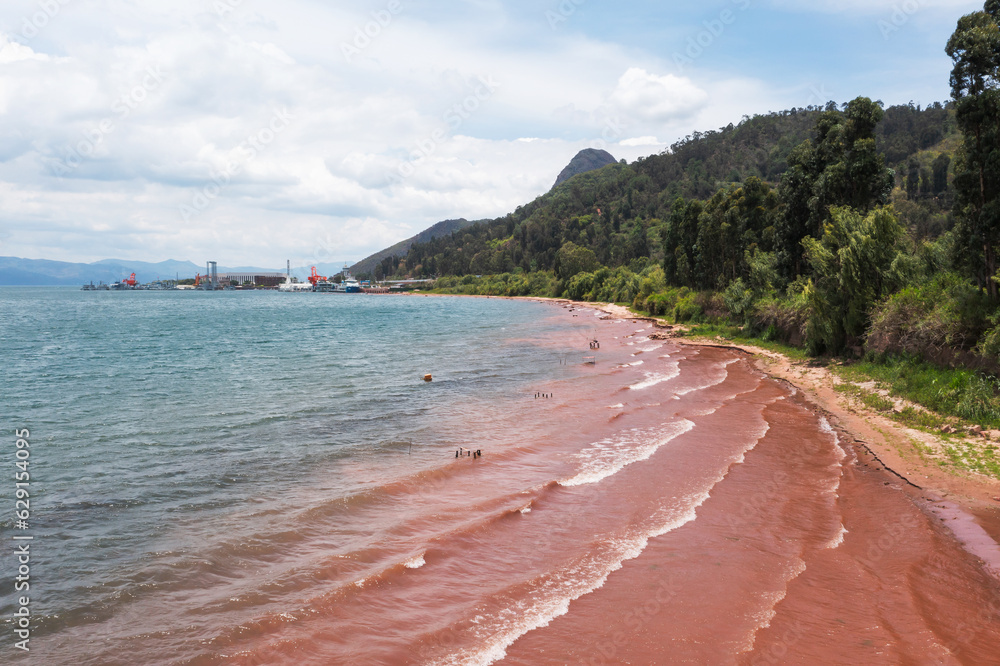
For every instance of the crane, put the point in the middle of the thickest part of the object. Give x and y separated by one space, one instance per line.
315 277
131 281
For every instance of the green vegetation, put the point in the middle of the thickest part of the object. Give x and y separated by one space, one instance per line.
856 232
956 392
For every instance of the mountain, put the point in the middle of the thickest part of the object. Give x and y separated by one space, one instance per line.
586 160
619 214
18 271
367 265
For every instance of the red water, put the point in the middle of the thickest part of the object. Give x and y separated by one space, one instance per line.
683 510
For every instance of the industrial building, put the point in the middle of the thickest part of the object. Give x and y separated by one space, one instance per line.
256 278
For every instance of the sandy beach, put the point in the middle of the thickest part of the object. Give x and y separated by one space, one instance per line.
894 446
805 549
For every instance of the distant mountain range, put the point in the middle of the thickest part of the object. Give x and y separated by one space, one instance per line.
17 271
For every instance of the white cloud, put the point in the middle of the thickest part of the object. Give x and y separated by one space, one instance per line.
13 51
78 89
657 99
641 141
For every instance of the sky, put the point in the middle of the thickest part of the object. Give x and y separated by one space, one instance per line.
249 132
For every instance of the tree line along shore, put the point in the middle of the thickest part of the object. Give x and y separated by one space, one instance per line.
862 236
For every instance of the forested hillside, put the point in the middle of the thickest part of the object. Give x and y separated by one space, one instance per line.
849 228
620 212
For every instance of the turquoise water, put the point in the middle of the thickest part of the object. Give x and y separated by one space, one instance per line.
164 422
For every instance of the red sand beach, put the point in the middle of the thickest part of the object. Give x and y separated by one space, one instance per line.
671 504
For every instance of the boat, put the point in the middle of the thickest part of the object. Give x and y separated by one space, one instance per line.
348 285
289 285
324 285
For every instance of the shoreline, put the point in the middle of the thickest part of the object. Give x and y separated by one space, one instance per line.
947 493
966 502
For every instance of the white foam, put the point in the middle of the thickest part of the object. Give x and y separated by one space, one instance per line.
838 539
415 562
772 599
825 426
654 378
618 406
714 382
609 456
553 595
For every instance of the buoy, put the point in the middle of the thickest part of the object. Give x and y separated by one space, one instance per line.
427 378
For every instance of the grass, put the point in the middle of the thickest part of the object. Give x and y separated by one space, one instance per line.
738 335
960 453
956 397
959 393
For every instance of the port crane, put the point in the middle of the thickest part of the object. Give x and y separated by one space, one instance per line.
315 277
131 281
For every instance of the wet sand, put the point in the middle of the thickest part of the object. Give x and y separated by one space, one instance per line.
672 504
911 578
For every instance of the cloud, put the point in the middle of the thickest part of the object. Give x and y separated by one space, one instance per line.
641 141
97 158
656 99
13 51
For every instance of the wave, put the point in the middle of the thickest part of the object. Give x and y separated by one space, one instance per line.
654 378
415 562
611 455
838 539
724 366
552 597
551 594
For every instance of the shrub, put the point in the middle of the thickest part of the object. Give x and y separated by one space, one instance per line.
931 320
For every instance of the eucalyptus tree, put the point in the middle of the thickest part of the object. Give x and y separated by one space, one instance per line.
975 85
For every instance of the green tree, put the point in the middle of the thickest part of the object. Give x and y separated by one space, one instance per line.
975 51
940 168
840 167
680 237
856 262
572 259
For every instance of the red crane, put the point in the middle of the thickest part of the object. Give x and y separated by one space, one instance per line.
131 281
315 277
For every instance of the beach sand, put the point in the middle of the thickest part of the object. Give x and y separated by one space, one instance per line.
912 578
894 445
802 552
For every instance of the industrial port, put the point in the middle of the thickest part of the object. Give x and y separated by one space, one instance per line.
212 280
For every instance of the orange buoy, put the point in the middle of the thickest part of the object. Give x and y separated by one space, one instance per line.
427 378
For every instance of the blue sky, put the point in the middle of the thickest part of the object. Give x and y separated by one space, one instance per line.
254 131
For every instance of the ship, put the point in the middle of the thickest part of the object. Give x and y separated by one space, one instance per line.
348 285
